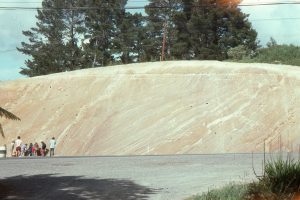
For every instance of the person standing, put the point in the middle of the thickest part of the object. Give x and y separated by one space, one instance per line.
36 149
30 148
52 146
12 148
23 149
18 144
43 149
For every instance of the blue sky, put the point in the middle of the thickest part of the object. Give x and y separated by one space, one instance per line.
281 22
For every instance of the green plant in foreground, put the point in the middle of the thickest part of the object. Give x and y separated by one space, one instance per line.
257 190
229 192
281 181
282 176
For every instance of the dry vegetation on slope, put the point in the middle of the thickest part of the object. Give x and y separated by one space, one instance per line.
158 108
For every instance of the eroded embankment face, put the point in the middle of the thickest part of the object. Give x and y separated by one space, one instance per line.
158 108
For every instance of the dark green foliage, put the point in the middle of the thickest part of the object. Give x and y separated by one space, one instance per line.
102 30
282 176
229 192
279 54
160 20
204 29
53 43
216 26
74 29
128 44
99 33
45 41
275 54
182 46
239 52
113 35
272 42
281 181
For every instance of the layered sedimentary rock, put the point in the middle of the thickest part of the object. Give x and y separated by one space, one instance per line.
158 108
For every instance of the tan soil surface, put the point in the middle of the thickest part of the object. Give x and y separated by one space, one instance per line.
173 107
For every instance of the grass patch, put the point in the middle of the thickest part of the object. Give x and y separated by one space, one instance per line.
280 182
229 192
277 54
283 54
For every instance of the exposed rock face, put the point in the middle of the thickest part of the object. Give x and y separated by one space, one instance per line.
158 108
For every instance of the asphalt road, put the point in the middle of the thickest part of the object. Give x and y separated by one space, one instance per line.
131 177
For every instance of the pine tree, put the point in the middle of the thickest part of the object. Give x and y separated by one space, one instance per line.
218 25
128 43
69 37
139 29
272 43
74 32
45 41
101 30
182 45
53 46
160 21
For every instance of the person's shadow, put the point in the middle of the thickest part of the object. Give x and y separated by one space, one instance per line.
51 186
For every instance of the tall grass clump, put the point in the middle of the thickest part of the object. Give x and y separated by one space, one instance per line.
282 176
280 181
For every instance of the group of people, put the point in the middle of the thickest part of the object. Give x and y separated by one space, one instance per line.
20 149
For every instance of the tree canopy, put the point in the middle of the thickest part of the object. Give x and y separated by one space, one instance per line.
76 34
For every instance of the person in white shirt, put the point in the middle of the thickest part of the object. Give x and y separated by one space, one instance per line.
18 143
52 146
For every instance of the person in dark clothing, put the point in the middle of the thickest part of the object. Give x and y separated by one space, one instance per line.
29 150
43 149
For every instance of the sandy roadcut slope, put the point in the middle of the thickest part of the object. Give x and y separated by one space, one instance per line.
176 107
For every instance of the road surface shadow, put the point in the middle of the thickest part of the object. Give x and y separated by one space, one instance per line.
51 186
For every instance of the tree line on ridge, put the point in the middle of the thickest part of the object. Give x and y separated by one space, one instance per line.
77 34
